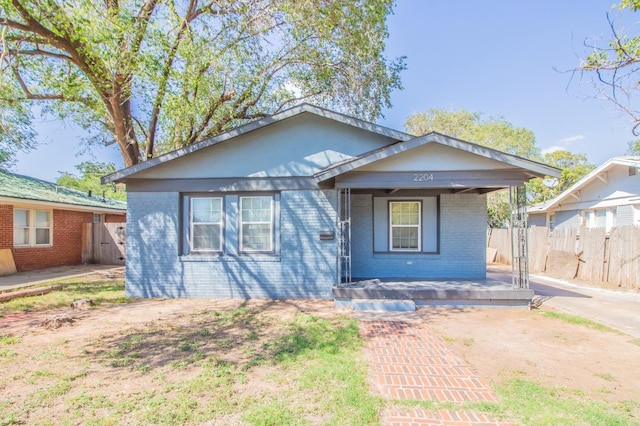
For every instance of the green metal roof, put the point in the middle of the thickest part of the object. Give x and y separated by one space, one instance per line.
28 188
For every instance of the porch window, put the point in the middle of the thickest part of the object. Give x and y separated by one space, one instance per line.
405 225
206 224
31 227
256 224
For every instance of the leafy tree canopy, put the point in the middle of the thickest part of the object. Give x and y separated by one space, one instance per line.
494 132
633 148
155 75
573 166
89 180
612 66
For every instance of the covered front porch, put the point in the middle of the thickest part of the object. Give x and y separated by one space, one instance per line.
411 225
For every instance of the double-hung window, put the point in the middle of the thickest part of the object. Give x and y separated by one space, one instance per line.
404 225
206 224
31 227
256 224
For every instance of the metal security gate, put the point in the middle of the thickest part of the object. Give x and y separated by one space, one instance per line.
343 230
519 243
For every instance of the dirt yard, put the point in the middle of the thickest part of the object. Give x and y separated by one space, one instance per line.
126 356
505 343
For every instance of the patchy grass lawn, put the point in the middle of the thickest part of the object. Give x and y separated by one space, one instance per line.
95 287
263 362
183 361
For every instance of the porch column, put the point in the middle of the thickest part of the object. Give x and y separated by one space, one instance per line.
343 233
519 240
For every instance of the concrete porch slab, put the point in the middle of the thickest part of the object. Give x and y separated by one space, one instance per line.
484 292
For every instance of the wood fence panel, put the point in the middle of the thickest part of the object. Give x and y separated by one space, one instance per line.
623 257
500 239
538 247
592 256
109 243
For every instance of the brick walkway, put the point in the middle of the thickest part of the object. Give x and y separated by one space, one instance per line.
410 361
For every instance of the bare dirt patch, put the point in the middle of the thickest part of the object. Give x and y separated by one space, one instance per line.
516 343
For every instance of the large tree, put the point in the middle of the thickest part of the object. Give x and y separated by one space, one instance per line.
494 132
160 74
573 166
89 180
612 66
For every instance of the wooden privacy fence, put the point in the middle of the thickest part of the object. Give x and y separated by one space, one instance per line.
103 243
606 260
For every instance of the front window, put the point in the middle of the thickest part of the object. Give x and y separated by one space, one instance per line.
31 227
21 227
206 224
404 219
43 227
256 224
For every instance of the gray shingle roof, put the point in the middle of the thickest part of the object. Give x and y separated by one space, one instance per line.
28 188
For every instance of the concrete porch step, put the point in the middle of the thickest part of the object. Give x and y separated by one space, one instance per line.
383 305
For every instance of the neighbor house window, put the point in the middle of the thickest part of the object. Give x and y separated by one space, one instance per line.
404 225
206 224
31 227
256 224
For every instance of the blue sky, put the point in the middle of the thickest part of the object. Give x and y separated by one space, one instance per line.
501 58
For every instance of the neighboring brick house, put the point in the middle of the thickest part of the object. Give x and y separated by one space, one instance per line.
41 222
606 198
290 205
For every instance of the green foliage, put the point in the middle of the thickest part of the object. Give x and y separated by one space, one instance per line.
159 75
533 404
16 133
89 180
578 320
612 66
634 147
574 167
493 132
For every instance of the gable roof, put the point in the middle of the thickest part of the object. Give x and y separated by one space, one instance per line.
255 125
534 168
630 161
19 187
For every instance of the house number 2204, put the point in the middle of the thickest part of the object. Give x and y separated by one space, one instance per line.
422 177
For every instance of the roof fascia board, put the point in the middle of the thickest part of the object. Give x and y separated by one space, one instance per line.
585 180
59 206
535 168
255 125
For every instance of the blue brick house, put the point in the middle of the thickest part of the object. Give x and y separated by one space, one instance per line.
293 204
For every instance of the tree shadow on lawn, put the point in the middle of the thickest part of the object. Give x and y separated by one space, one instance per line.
250 334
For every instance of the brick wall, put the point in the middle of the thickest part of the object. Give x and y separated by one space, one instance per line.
67 243
6 226
305 267
115 218
462 242
67 239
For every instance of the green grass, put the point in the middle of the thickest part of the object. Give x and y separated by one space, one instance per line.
635 341
533 404
578 320
525 402
100 291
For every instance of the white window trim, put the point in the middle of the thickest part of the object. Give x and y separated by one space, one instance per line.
419 226
241 247
32 227
220 223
